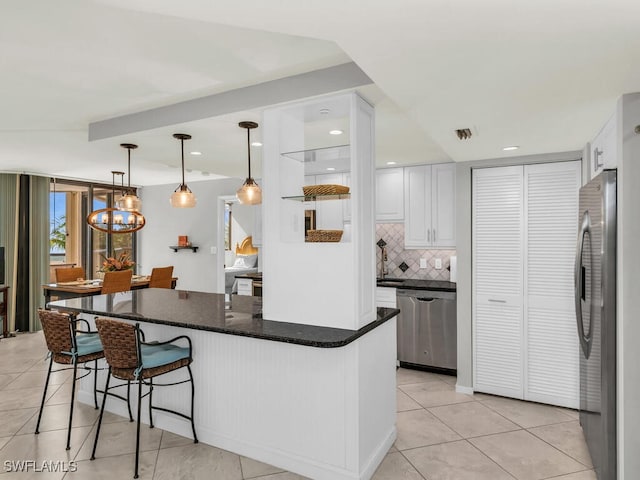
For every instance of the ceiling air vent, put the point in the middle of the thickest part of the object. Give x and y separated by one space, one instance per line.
463 133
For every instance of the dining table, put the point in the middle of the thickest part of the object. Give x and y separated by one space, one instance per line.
87 288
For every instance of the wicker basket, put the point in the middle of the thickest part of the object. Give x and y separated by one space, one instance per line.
328 189
324 235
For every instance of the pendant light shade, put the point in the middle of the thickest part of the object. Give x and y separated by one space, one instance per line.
182 197
129 202
249 193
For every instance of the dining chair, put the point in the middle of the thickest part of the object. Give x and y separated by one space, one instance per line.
69 274
130 357
161 277
119 281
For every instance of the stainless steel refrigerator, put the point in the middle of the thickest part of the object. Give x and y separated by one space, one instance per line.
595 280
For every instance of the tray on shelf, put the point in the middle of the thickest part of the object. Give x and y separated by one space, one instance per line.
323 236
325 189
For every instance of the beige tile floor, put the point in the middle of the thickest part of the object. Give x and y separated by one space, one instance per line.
442 435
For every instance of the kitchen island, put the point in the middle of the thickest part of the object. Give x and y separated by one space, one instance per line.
313 400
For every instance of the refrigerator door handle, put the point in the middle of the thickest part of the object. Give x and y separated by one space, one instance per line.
585 340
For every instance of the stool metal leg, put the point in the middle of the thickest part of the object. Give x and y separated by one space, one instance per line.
73 397
44 395
104 400
150 407
138 426
95 384
129 400
193 394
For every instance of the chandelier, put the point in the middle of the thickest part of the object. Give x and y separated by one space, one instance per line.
115 220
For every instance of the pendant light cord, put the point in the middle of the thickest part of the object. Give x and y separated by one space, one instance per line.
128 170
182 149
249 150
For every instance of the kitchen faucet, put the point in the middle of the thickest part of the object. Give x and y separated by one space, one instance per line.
383 257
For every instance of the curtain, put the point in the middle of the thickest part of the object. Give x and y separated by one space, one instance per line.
9 191
39 246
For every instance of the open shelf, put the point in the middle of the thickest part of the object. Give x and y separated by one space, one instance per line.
320 154
313 198
175 248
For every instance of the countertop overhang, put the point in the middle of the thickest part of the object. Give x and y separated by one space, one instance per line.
209 311
409 284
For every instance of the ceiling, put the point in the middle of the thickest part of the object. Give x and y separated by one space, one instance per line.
543 75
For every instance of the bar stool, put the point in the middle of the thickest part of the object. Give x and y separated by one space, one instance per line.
69 346
133 359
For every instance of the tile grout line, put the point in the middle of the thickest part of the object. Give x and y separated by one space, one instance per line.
492 460
414 467
557 448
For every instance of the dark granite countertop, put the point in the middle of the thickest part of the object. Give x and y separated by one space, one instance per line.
208 311
405 283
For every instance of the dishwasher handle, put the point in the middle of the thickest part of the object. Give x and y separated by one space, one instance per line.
425 299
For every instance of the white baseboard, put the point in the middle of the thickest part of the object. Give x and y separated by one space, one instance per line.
465 390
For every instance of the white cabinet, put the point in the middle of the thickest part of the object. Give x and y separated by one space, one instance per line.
386 297
245 286
524 229
429 206
389 196
604 148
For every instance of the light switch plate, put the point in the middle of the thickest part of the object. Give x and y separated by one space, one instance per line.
423 263
214 250
438 264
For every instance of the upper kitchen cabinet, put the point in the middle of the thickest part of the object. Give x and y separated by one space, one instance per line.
604 148
389 196
326 234
429 206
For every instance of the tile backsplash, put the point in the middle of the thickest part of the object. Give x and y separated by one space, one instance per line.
393 234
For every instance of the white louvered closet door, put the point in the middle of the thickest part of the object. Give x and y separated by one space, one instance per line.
498 280
551 363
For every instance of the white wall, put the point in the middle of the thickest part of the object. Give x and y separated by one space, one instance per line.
463 229
241 223
195 271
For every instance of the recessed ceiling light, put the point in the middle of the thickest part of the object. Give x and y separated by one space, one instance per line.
195 153
331 169
324 111
256 144
391 163
335 132
512 147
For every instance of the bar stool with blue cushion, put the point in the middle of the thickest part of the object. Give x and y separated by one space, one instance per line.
131 358
70 346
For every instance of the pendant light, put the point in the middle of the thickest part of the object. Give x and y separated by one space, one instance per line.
129 202
182 197
249 193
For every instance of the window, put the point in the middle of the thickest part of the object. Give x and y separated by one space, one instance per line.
57 227
72 241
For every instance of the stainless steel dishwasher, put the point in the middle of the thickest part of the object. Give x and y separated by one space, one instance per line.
427 328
